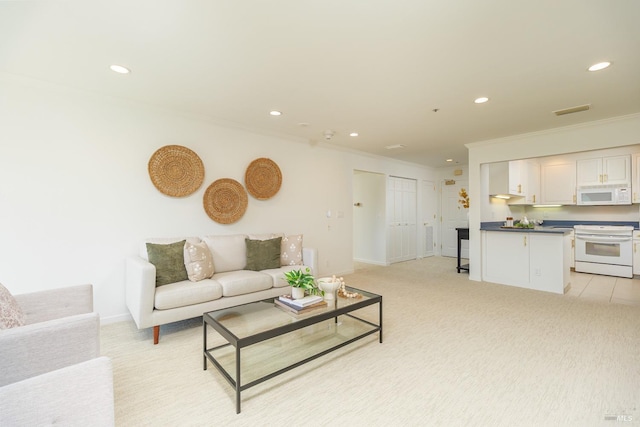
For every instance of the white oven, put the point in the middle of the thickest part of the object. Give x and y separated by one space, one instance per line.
604 249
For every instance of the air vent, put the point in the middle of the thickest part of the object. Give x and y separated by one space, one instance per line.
572 110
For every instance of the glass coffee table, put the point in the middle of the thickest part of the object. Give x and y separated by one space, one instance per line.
260 340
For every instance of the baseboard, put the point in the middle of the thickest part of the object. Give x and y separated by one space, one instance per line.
368 261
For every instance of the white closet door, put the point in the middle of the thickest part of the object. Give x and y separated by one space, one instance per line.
401 219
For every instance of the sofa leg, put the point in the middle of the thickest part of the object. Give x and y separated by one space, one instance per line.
156 334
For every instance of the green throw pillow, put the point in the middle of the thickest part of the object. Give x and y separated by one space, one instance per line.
169 262
263 254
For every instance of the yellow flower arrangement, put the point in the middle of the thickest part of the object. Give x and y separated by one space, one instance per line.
464 198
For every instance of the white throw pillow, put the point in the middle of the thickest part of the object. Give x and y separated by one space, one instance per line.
11 314
291 250
198 261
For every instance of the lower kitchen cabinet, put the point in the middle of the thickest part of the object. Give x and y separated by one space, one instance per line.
533 260
636 252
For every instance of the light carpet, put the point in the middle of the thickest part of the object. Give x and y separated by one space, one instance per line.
455 353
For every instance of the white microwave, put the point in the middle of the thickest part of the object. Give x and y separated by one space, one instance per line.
604 195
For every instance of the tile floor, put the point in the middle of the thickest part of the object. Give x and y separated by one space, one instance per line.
605 288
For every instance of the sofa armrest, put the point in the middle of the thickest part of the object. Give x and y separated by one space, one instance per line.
310 259
30 350
69 301
78 395
140 290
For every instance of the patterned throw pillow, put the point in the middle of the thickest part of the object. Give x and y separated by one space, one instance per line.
291 250
169 262
198 261
11 314
263 254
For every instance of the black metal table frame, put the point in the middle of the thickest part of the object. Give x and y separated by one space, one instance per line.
240 343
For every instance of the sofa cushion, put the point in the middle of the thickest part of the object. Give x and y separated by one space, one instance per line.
229 252
185 293
198 261
291 250
277 274
243 282
11 315
163 241
169 262
265 236
263 254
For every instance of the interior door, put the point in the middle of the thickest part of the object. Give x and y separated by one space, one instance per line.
429 218
454 215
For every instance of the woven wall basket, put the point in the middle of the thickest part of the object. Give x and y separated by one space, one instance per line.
225 201
176 171
263 178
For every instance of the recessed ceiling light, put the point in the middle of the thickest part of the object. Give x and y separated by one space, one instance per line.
481 100
120 69
599 66
275 113
353 134
393 147
449 160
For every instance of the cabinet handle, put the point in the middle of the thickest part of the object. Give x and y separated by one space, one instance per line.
606 177
573 243
525 240
519 188
534 198
600 177
574 199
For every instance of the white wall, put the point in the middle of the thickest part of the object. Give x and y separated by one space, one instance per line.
596 135
76 198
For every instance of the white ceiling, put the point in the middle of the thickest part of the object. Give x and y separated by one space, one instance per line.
376 67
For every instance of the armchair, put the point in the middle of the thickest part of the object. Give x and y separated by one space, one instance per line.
60 330
77 395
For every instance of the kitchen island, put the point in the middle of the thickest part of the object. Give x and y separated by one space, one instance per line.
537 258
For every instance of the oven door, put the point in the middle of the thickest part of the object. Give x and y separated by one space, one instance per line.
604 249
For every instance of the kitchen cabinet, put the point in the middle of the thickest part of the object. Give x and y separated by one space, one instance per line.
518 178
532 173
531 260
507 178
635 184
614 170
636 252
558 183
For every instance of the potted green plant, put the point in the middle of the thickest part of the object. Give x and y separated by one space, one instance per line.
301 282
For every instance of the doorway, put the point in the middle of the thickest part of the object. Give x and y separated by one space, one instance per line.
454 215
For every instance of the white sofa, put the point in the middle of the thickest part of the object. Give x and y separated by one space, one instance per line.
230 285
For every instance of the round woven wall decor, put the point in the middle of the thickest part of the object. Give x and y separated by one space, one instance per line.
176 171
225 201
263 178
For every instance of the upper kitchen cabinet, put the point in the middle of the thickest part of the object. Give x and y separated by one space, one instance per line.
532 195
615 170
635 184
506 178
518 179
558 183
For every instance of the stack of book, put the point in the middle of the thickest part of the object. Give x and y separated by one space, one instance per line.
302 305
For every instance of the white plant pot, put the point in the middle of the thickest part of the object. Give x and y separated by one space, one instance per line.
297 293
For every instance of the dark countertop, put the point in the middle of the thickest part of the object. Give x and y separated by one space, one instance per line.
536 229
551 226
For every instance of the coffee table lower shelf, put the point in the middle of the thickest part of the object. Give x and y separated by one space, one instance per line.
300 340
